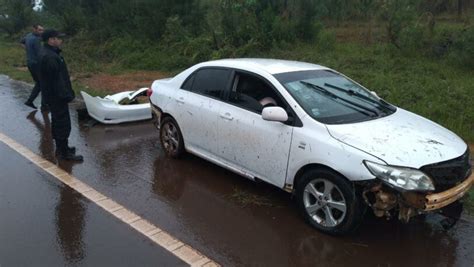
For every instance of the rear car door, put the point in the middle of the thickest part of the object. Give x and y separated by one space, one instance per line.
198 105
257 147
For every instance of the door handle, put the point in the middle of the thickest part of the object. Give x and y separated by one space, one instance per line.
227 116
180 100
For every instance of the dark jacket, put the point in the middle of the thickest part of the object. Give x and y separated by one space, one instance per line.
54 77
32 44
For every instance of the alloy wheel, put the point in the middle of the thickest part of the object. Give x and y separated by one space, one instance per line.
324 202
170 137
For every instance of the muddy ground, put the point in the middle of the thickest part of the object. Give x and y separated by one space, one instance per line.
121 82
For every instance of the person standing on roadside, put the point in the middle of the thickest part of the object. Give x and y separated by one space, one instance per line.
57 90
32 44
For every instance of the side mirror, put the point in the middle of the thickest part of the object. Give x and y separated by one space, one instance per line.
274 114
374 94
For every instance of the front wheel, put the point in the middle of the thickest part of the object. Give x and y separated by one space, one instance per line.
328 202
171 138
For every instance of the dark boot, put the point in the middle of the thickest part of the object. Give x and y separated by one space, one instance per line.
70 149
63 151
64 145
71 156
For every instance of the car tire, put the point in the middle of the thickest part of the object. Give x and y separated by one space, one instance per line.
171 138
328 202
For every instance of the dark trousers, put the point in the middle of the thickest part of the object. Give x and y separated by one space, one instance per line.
34 71
60 124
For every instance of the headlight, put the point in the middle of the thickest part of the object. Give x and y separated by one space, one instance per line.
399 177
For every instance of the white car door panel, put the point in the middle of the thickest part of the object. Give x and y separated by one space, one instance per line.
198 106
198 117
254 145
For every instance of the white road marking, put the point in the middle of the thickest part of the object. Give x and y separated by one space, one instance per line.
144 227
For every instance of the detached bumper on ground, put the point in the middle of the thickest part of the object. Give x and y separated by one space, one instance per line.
118 108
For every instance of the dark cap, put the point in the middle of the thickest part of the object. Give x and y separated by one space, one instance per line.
50 33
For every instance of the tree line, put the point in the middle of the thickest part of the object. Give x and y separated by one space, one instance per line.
198 28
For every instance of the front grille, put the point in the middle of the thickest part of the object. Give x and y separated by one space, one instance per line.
449 173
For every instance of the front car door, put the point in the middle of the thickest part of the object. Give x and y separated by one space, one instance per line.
257 147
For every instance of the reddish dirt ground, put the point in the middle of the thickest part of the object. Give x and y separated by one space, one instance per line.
122 82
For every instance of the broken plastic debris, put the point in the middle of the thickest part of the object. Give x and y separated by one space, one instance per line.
118 108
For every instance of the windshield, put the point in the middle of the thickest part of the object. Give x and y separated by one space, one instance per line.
331 98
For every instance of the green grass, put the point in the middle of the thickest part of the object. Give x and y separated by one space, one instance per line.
13 61
78 87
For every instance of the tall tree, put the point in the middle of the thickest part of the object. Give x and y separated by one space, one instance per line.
15 15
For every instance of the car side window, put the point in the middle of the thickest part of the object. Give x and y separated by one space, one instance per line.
211 82
252 93
188 84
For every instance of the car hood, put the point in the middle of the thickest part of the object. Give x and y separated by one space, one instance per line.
401 139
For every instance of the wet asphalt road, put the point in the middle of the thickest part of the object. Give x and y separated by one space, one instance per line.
45 223
228 218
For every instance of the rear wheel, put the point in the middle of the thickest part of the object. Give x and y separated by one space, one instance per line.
328 202
171 138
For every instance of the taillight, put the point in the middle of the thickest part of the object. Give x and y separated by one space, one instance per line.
149 92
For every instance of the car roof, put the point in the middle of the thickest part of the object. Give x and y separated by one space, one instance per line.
272 66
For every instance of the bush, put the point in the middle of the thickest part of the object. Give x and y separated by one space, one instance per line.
73 20
15 15
326 40
183 47
442 41
283 30
463 48
412 39
398 15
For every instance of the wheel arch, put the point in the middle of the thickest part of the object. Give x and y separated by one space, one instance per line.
314 166
166 115
355 209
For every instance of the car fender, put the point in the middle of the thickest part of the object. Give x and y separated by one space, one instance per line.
164 91
314 145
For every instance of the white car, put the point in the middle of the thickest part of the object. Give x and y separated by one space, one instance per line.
316 133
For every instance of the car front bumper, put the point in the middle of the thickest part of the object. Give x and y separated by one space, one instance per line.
384 200
442 199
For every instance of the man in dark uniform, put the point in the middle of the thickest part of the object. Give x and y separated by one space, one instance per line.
32 44
57 90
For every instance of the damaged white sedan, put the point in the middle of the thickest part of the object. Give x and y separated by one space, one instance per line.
316 133
118 108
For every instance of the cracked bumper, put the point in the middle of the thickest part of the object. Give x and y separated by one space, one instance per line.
156 115
442 199
384 200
